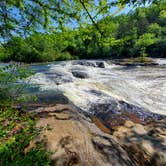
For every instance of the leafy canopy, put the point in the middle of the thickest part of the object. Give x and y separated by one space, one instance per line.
24 16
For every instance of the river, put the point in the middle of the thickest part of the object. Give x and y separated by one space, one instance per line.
89 84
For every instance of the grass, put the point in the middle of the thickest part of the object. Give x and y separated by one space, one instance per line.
17 130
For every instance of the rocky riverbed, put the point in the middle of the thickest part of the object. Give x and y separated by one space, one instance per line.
100 113
90 83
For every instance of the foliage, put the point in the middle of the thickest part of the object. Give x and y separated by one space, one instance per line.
16 131
36 48
144 41
17 127
139 33
22 17
11 85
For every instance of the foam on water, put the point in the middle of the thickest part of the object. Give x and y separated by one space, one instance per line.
141 86
160 61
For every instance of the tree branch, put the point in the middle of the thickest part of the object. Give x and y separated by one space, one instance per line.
91 18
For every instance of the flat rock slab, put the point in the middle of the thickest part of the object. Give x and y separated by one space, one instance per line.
76 139
135 62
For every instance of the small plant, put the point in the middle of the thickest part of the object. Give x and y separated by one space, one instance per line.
12 85
17 130
143 42
143 54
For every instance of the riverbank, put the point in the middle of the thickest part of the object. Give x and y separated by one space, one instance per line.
116 118
77 138
142 61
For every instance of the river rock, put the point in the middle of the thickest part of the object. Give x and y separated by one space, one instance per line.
51 97
116 112
135 62
80 74
85 63
59 77
100 64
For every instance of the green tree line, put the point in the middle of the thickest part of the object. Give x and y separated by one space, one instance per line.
141 32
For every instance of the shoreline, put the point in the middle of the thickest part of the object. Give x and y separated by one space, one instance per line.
149 61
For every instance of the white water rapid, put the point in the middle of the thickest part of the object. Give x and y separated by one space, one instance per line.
86 83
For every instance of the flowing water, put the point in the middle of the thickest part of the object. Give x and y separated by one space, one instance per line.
89 84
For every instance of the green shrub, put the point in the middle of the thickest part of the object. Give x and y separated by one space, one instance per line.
17 130
64 56
12 85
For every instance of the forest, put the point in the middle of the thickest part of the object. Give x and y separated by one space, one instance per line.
141 32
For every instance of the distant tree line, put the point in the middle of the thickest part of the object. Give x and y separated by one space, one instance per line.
141 32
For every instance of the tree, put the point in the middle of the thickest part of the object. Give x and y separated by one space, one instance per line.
144 41
121 35
24 16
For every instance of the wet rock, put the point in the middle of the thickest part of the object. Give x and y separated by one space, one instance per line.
58 77
115 113
95 92
100 125
135 62
80 74
100 64
85 63
51 97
